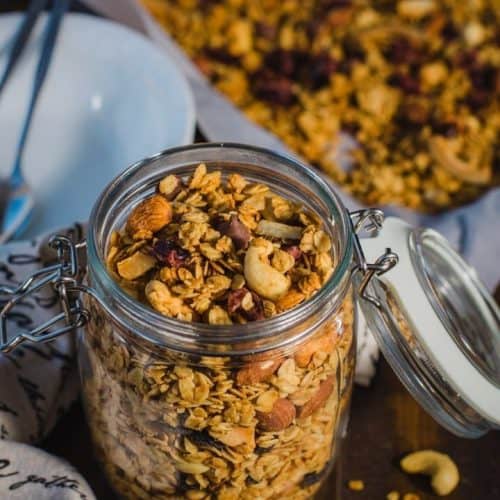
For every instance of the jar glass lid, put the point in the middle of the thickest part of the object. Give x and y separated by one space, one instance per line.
438 327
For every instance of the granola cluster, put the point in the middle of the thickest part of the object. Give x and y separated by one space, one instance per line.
218 251
415 82
219 424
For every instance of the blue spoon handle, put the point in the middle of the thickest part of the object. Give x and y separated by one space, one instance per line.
50 37
21 37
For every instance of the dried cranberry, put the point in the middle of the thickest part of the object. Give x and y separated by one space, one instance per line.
274 88
478 98
234 300
206 4
447 129
415 112
312 27
467 60
293 250
235 229
483 78
406 83
403 51
257 311
169 252
449 31
319 70
282 61
222 55
352 49
265 30
334 4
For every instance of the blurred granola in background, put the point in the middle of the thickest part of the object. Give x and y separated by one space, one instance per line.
415 82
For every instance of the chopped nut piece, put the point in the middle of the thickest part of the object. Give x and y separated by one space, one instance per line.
392 495
416 9
170 186
356 485
324 343
135 266
235 436
291 299
278 230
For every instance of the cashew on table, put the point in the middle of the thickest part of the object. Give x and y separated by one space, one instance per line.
440 467
261 277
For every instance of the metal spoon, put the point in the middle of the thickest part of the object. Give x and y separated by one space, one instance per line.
15 193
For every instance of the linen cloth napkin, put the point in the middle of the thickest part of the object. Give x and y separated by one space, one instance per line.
28 473
38 384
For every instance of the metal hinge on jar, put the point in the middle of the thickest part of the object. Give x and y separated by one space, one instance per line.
64 277
369 220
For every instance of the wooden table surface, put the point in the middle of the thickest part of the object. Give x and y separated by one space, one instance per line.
385 424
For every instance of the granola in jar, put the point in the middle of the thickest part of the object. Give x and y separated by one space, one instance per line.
416 83
223 252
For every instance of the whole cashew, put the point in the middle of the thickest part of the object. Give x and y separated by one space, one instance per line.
443 471
261 277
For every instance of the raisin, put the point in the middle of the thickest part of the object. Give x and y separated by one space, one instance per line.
402 51
169 252
293 250
265 30
447 129
319 70
274 88
407 83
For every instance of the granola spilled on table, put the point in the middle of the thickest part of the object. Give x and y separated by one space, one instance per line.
415 82
220 252
168 424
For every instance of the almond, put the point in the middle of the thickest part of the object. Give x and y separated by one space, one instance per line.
324 343
151 215
279 418
318 399
257 371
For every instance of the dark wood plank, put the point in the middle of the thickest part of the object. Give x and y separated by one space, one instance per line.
385 424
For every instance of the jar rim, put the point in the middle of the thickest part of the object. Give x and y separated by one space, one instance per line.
165 330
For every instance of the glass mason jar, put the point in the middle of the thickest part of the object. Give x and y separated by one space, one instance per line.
180 409
190 410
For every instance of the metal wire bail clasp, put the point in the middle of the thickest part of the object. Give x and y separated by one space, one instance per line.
370 220
63 277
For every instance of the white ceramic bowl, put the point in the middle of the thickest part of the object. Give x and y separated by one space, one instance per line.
110 98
